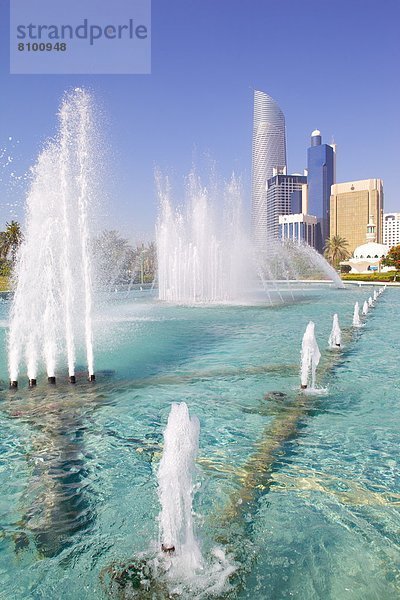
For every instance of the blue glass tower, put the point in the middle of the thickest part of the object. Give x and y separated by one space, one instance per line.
321 176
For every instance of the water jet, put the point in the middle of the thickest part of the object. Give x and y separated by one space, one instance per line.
310 357
335 338
356 316
52 303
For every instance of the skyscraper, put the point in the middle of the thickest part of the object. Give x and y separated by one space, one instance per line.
269 151
321 176
281 199
352 205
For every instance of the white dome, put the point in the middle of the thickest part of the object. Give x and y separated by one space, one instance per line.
315 132
371 250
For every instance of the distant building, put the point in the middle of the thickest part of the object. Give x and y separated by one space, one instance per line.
352 204
321 168
391 229
284 193
368 257
268 152
298 228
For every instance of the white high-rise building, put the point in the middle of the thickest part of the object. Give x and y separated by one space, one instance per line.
391 229
269 152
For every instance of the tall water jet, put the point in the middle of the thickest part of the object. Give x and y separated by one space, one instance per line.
310 357
356 316
375 295
365 308
335 338
52 303
202 256
175 489
370 302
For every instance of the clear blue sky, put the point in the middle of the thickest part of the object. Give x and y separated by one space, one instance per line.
330 64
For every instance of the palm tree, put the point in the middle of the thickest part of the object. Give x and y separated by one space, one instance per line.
11 239
336 250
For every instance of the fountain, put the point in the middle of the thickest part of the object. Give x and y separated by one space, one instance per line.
365 308
370 302
310 357
175 489
52 303
199 258
356 316
335 339
204 255
375 295
178 567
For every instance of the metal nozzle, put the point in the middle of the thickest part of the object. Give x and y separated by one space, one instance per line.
51 380
32 383
72 379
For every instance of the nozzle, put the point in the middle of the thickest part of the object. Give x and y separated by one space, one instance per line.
92 377
72 379
303 386
51 380
32 383
13 384
168 549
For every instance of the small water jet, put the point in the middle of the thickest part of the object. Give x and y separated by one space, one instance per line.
356 316
177 568
375 295
335 338
52 303
365 308
370 302
175 490
310 357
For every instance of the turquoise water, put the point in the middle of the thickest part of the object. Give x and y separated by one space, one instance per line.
301 491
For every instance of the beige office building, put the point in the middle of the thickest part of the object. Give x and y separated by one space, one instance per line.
352 205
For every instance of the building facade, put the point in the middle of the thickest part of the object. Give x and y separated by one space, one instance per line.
268 152
321 168
391 229
298 228
283 195
351 205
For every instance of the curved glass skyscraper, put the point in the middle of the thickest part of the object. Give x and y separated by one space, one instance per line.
269 152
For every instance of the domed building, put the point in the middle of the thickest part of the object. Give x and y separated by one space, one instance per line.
368 256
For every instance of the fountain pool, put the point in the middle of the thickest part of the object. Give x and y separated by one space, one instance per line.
300 493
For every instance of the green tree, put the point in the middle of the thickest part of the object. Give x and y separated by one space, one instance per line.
336 250
393 258
10 240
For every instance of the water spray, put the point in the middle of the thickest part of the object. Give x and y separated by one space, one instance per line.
310 357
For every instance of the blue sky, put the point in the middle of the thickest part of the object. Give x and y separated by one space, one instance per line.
330 64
